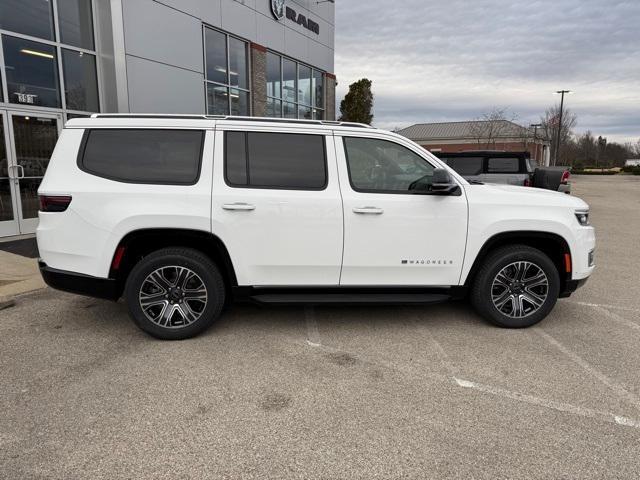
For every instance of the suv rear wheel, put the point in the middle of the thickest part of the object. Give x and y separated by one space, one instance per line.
517 286
175 293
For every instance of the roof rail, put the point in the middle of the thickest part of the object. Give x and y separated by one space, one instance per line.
230 117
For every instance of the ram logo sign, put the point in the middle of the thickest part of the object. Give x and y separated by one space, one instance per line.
277 8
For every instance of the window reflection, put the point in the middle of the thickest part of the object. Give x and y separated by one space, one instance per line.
29 17
227 77
289 80
32 72
76 23
274 76
216 55
80 81
300 86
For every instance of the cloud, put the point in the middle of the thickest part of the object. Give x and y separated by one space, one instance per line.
453 60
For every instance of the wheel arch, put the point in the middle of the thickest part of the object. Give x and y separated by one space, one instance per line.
552 244
139 243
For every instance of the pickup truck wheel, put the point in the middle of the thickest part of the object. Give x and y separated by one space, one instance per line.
516 287
175 293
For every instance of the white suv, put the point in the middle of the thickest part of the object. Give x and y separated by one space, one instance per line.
183 214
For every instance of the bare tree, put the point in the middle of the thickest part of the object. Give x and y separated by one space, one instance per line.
551 128
633 148
491 126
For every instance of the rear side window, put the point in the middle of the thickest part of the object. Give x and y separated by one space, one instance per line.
503 165
288 161
466 165
159 156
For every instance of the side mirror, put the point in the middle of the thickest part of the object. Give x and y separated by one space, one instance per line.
443 184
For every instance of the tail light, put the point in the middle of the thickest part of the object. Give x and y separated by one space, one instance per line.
565 177
527 183
54 203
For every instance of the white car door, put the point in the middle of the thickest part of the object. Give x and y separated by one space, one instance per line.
394 237
276 205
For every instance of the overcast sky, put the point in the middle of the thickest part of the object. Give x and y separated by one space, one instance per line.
450 60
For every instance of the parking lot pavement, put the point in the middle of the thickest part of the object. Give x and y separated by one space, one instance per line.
366 393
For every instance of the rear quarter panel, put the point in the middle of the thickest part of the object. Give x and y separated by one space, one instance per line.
83 239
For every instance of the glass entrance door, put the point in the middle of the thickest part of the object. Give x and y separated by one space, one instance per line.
29 142
8 211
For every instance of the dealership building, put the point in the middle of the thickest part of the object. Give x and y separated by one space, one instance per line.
61 59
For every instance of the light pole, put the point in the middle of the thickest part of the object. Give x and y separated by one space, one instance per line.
535 127
555 156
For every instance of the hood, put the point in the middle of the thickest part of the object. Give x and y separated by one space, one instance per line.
529 195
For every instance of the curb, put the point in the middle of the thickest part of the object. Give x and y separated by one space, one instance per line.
6 302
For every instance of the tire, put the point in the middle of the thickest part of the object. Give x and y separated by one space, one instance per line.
175 293
507 298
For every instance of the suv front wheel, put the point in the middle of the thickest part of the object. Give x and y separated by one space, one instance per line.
517 286
175 293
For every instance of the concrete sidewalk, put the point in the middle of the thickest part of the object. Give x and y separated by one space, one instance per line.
18 275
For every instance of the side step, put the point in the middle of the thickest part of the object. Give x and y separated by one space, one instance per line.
348 298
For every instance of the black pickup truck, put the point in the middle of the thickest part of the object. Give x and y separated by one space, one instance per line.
511 168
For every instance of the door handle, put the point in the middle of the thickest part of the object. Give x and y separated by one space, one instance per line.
245 207
21 170
368 210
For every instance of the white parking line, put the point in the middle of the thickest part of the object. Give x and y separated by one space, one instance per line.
616 317
620 391
541 402
608 307
313 340
313 336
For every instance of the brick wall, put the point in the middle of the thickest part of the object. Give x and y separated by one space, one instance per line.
258 80
330 96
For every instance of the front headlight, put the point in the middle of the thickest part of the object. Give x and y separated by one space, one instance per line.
583 218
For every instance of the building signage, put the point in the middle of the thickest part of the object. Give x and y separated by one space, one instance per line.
279 10
26 98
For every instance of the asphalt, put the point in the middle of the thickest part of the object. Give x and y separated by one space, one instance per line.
359 393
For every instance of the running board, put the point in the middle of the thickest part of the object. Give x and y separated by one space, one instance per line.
348 298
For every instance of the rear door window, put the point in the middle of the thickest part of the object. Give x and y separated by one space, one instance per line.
158 156
466 166
288 161
503 165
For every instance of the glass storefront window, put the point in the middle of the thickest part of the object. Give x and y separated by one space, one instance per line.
76 23
300 86
216 55
289 110
80 81
318 89
274 108
304 85
31 69
289 80
304 112
227 74
237 63
274 75
239 102
217 100
29 17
